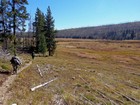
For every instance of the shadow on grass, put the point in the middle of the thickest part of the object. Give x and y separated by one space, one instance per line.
5 72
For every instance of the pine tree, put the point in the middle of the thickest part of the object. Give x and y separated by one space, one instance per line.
42 44
17 16
4 21
39 24
50 32
3 15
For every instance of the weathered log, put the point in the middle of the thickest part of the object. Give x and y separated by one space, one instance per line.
41 85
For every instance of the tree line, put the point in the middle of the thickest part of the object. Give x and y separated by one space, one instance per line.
125 31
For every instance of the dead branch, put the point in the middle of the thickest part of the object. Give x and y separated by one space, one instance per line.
106 97
136 100
39 71
135 74
90 102
75 90
75 98
132 86
120 101
41 85
128 98
101 93
64 100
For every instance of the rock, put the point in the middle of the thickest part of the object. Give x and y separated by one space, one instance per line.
73 78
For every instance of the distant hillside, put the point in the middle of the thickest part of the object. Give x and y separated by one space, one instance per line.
125 31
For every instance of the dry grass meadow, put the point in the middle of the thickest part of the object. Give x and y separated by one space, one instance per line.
88 72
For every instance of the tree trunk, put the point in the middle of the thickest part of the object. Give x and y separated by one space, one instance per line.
14 26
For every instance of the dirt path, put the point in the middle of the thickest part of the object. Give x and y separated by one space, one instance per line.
7 84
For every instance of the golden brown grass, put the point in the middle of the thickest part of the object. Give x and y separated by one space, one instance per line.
88 72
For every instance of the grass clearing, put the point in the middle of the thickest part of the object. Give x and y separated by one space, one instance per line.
88 72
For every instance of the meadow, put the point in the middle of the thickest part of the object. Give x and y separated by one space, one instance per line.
88 72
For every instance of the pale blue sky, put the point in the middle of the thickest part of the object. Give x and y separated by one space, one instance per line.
82 13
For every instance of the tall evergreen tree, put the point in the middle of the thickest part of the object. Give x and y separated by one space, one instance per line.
50 32
39 24
3 15
4 21
42 44
17 16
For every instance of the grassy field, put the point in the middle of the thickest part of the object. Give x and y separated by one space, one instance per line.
88 72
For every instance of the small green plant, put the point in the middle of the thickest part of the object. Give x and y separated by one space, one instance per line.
68 99
90 97
5 67
86 87
78 85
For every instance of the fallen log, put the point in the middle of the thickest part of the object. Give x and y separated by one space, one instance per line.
41 85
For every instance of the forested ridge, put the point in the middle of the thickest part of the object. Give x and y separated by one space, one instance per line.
124 31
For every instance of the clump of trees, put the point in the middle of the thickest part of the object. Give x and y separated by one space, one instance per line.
45 32
13 15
